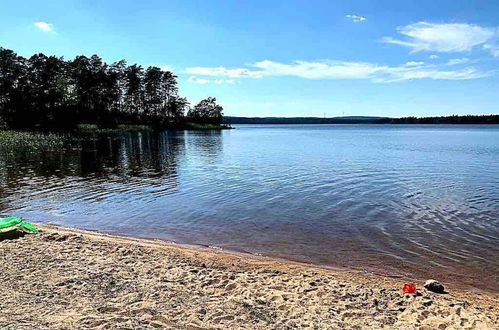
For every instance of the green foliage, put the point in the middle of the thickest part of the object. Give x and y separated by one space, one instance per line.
13 141
207 111
457 120
134 128
196 126
49 93
90 128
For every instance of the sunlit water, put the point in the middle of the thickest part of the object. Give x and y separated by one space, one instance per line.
414 200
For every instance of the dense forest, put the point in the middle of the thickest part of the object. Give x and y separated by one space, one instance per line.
468 119
49 93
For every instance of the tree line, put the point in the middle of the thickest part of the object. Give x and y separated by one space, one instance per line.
49 93
455 119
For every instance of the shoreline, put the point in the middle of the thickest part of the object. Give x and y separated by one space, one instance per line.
380 273
68 277
399 272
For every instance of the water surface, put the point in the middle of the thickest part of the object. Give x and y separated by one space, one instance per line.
415 200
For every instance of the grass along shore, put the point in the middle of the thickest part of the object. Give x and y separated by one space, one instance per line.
66 278
146 128
11 140
19 140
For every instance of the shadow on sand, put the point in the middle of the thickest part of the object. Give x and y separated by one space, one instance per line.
11 235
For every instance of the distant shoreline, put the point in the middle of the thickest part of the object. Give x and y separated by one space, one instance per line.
367 124
453 120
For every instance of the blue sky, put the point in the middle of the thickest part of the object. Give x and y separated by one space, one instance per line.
286 58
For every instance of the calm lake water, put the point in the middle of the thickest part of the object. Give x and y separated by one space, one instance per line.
409 200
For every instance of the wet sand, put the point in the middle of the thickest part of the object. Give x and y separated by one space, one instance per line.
66 278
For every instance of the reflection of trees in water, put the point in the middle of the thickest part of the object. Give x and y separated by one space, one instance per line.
140 165
135 160
133 157
19 167
171 146
149 155
207 145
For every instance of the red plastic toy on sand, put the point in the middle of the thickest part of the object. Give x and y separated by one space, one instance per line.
409 288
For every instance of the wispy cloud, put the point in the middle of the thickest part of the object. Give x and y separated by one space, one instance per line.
395 74
44 26
222 71
451 37
356 18
203 81
414 63
344 70
457 61
422 36
493 48
318 70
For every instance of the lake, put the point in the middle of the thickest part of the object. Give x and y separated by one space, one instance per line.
421 201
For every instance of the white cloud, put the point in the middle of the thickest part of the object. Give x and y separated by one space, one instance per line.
451 37
356 18
202 81
456 61
44 26
221 71
395 74
493 48
344 70
433 57
414 63
318 70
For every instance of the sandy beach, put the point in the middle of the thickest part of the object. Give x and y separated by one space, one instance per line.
67 278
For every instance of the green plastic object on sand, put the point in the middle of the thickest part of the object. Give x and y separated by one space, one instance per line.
15 223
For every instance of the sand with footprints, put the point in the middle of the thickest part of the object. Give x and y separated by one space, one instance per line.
67 278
